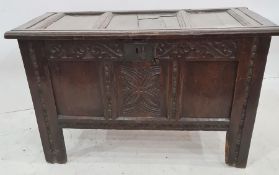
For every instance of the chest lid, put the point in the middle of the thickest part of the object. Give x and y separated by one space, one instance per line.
141 23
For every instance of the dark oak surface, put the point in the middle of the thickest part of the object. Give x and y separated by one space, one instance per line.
210 93
54 25
166 70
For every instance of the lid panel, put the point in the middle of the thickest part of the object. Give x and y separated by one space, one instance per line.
143 21
171 22
45 22
220 19
137 23
123 22
75 22
191 19
242 18
158 21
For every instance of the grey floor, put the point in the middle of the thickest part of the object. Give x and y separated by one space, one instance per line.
128 152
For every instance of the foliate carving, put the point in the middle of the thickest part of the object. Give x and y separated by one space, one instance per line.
186 49
84 50
201 49
140 91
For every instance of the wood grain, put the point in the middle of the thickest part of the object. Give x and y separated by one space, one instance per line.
164 70
43 100
252 56
188 22
210 97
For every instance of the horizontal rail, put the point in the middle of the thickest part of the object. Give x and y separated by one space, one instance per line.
130 123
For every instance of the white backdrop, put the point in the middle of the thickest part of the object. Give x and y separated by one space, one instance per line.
14 92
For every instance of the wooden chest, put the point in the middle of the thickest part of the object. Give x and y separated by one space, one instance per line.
165 70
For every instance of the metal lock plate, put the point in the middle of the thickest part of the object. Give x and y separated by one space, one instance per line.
139 51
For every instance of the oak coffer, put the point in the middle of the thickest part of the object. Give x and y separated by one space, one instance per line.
159 70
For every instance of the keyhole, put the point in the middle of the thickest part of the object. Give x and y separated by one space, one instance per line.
155 60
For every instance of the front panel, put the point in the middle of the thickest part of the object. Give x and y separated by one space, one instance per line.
77 88
144 79
207 88
104 80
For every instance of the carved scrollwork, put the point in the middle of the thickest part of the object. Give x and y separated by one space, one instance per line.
84 50
185 49
202 49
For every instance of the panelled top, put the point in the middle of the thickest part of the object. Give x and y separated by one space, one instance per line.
172 22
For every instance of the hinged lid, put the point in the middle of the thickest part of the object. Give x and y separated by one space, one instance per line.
141 23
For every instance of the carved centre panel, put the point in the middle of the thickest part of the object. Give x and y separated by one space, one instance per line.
139 90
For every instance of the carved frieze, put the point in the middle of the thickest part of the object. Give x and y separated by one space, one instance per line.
203 49
84 50
184 49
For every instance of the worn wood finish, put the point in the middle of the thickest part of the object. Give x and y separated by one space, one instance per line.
89 122
68 78
40 86
247 91
165 70
210 93
164 23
